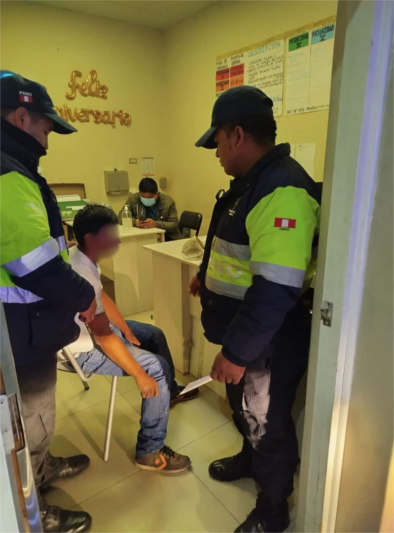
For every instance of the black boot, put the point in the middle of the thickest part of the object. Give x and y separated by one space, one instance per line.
56 520
60 468
274 519
230 468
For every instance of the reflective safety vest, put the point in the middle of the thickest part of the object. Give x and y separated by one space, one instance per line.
40 291
259 255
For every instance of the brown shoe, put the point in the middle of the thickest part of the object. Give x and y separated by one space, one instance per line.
191 395
165 460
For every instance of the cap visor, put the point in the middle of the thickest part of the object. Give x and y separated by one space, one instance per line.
206 141
60 125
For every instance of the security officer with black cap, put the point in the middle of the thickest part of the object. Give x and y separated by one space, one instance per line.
41 292
259 260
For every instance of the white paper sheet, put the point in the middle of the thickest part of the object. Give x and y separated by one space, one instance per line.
298 62
322 50
194 384
265 71
305 155
148 166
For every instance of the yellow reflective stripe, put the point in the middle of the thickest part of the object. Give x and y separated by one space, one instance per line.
240 251
34 259
229 270
292 277
225 289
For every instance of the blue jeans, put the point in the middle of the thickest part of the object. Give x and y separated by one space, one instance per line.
154 412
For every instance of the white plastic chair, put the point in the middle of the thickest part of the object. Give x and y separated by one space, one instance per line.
68 356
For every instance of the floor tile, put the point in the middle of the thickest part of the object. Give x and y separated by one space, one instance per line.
84 432
151 502
190 420
71 397
238 497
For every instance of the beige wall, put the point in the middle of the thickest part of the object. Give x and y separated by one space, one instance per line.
192 48
46 44
369 436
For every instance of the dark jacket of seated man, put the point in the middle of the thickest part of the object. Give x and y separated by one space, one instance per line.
152 209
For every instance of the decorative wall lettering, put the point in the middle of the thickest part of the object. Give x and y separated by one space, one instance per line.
90 87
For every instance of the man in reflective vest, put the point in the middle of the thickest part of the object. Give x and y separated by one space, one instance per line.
259 260
40 291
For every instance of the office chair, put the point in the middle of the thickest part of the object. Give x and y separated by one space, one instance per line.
190 220
66 354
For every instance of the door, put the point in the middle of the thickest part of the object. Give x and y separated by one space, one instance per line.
361 68
19 509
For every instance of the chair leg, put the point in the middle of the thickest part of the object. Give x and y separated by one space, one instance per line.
85 385
110 418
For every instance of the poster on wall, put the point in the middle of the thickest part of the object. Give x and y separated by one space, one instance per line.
308 70
298 66
293 69
148 166
265 71
261 67
322 51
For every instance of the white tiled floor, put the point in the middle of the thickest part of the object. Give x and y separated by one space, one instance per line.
118 495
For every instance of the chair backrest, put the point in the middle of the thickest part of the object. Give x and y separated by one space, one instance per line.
190 220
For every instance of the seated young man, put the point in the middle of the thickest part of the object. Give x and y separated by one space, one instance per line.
125 347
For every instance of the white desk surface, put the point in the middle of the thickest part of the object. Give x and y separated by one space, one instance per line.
138 232
173 250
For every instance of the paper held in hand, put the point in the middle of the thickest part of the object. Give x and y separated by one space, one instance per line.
194 384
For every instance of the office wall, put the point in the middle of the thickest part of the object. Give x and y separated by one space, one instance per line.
192 47
46 44
370 431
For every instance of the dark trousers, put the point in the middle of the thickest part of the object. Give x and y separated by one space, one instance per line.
262 404
37 385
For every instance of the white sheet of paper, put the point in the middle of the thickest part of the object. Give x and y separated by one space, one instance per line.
194 384
305 155
148 166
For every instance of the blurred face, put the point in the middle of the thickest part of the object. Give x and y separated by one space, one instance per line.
35 124
104 243
230 149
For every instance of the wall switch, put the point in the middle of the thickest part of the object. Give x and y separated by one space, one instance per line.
133 160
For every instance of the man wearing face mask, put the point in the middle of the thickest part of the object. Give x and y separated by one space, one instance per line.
152 209
40 291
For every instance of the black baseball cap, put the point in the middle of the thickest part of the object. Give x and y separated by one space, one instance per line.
234 104
17 91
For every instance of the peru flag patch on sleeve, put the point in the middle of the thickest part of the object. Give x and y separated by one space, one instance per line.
286 223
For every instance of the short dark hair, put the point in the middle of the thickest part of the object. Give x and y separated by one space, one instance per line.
262 129
148 185
91 219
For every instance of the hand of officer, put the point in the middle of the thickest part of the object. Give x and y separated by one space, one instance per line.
88 315
195 286
132 338
225 371
148 386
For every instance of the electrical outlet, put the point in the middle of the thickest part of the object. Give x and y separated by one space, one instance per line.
133 160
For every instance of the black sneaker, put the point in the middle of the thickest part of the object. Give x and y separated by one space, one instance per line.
56 520
191 395
230 469
165 460
269 520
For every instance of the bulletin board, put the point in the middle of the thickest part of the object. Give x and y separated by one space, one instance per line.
293 69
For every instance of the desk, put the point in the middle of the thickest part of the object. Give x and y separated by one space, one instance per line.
131 270
178 313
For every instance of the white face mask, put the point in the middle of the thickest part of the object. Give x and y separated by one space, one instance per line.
148 202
